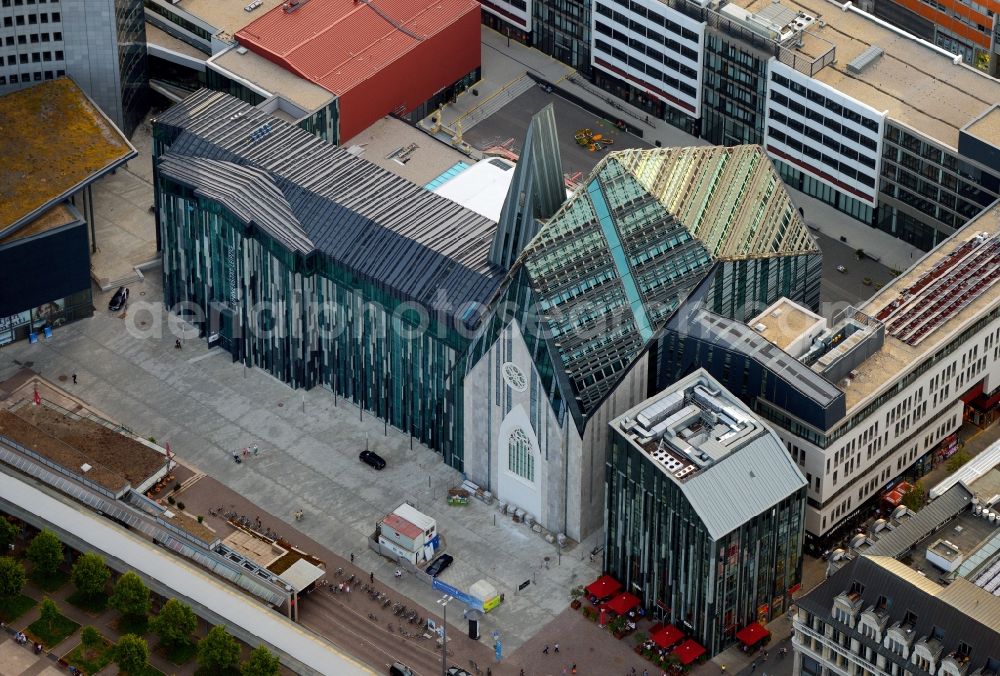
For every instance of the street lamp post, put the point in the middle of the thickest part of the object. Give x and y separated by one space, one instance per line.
443 602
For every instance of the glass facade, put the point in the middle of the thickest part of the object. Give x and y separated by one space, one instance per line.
562 30
928 191
658 547
309 321
735 92
133 69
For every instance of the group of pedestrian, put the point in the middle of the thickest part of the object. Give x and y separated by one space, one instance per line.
555 649
20 638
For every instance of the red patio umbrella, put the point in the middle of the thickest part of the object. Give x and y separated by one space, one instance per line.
689 651
603 587
752 634
667 637
623 603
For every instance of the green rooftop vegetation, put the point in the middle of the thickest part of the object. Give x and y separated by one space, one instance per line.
51 138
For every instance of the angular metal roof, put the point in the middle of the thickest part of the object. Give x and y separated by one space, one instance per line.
643 231
248 193
744 484
730 198
421 246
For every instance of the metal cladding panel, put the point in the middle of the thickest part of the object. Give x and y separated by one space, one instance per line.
338 43
380 226
743 485
405 83
37 270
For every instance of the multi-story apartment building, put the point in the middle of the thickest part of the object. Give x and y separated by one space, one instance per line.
101 44
561 28
877 616
918 593
704 511
855 112
869 399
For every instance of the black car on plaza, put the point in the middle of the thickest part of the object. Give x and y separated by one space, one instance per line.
372 459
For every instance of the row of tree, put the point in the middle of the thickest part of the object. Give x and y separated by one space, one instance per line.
218 652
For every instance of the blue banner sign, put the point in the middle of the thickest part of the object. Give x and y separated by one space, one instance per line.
468 600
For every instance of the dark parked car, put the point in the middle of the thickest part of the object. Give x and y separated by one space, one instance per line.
119 300
439 565
400 669
457 671
373 459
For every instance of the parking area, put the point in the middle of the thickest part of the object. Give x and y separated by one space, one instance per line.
206 406
511 122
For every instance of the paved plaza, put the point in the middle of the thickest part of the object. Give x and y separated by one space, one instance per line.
206 406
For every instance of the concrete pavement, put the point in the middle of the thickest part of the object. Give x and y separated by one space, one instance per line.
206 406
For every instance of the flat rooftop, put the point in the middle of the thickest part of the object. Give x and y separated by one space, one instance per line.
389 143
273 78
917 85
53 219
228 16
53 141
966 532
161 38
784 322
921 320
483 187
987 127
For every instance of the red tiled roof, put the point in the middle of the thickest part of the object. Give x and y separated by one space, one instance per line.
339 43
401 526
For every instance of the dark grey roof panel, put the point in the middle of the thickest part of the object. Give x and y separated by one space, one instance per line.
898 541
903 596
379 225
250 194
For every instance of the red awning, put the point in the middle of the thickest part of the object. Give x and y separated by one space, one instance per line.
667 637
893 498
603 587
623 603
689 651
752 634
973 393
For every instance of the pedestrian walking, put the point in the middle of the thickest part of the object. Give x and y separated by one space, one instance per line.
352 557
545 650
74 379
522 673
753 666
557 647
371 577
573 670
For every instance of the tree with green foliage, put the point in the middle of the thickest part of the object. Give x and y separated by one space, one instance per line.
12 577
131 654
916 498
175 623
90 637
8 532
957 460
50 612
131 596
218 652
261 663
45 553
90 575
